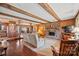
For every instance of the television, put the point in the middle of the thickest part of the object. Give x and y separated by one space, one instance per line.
67 29
52 33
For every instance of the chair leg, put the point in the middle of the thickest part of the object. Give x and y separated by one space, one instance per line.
5 53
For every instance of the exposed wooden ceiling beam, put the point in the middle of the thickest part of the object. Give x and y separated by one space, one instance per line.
8 6
5 14
13 20
76 15
49 9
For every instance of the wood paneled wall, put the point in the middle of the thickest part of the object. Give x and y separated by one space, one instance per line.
67 22
62 23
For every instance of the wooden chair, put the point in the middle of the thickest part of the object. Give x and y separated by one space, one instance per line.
55 53
67 48
3 51
0 43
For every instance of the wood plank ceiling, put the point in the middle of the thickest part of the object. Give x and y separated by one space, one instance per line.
49 9
18 17
21 11
39 13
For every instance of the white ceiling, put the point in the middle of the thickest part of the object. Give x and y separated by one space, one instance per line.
4 10
63 10
66 10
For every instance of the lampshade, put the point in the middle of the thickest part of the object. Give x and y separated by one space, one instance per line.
76 29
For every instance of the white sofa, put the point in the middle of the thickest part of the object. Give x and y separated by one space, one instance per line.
33 39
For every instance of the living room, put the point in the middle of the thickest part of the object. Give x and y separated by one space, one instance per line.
39 29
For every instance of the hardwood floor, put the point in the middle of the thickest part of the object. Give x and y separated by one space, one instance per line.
16 48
